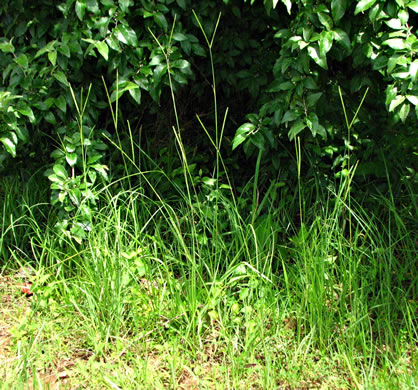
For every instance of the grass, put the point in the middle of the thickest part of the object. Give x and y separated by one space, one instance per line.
175 295
205 289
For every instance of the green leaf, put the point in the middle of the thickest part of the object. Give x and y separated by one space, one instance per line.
52 56
126 35
159 72
325 42
103 49
297 127
396 102
403 15
60 171
278 85
179 37
136 94
325 20
60 76
80 8
124 5
64 49
182 4
24 109
395 43
313 98
242 134
22 60
290 115
61 103
394 24
258 141
288 4
413 99
9 145
338 8
71 159
380 62
404 111
92 6
7 46
161 21
22 133
342 38
363 5
413 6
45 49
313 52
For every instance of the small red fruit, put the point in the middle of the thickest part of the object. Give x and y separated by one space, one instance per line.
26 289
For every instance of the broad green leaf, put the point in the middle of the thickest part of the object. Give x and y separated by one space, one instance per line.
24 109
126 35
60 76
342 38
60 171
92 6
9 145
400 75
180 64
403 15
395 43
313 52
80 8
71 159
338 8
413 6
161 21
198 50
22 133
103 49
325 43
325 20
52 56
242 134
123 87
394 24
391 92
57 153
297 127
258 140
179 37
61 103
380 62
7 46
396 102
45 49
313 98
413 99
290 115
363 5
288 4
124 5
22 60
159 72
136 94
278 85
182 4
413 70
404 111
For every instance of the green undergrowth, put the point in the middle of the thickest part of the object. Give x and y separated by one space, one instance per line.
177 279
196 294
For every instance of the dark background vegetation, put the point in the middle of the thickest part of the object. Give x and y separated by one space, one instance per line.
279 68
